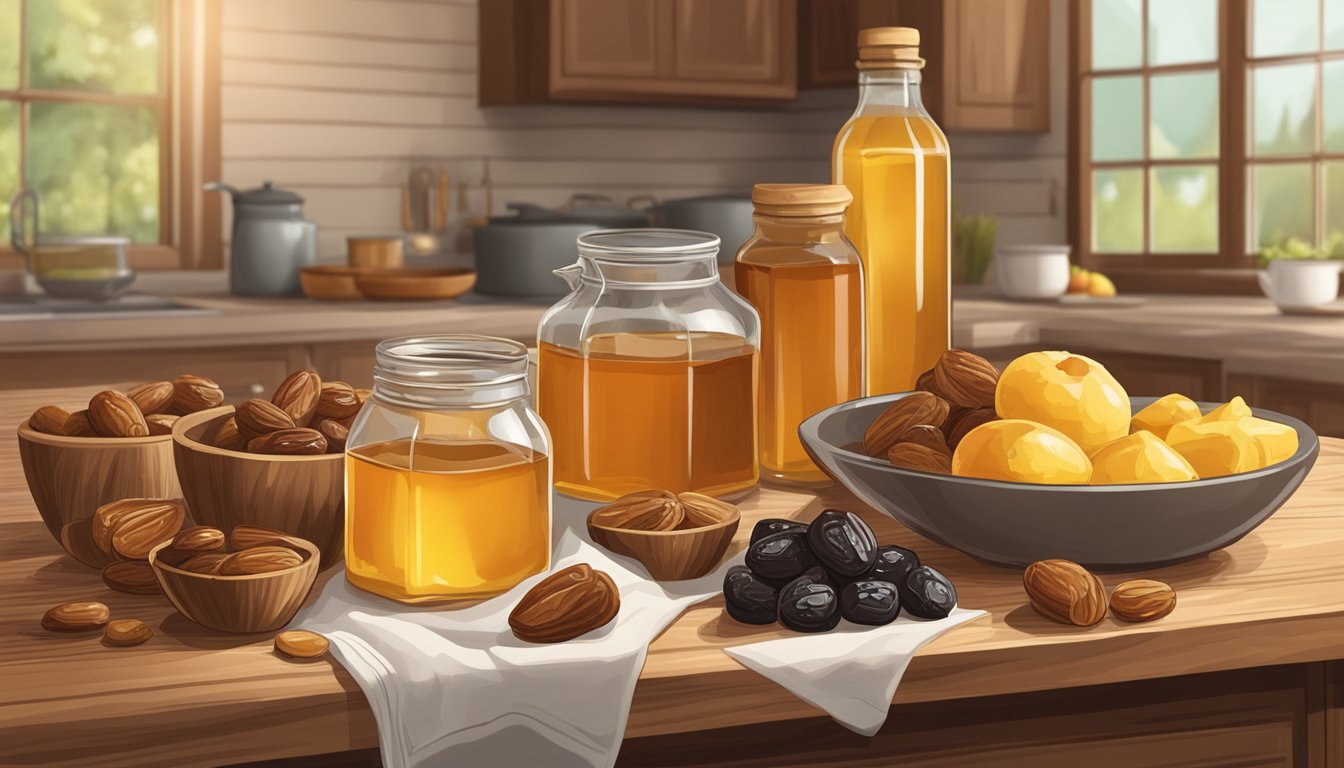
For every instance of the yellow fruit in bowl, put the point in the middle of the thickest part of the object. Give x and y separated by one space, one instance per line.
1139 458
1163 413
1277 441
1233 409
1071 393
1019 451
1217 448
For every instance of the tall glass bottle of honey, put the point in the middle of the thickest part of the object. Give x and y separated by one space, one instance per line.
894 159
805 279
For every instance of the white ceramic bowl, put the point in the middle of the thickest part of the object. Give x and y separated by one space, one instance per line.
1032 271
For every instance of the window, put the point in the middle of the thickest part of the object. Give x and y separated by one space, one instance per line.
108 110
1206 129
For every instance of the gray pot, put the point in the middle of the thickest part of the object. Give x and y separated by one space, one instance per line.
518 257
728 216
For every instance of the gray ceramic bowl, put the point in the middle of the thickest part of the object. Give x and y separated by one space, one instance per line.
1106 527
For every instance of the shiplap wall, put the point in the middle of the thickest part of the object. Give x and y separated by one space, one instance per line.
340 99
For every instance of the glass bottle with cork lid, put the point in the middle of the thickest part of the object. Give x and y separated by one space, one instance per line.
894 159
447 473
805 279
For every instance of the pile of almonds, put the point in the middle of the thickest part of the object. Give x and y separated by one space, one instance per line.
921 430
1066 592
147 409
250 550
303 417
656 510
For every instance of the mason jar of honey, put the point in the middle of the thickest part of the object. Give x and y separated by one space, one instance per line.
647 369
805 279
447 473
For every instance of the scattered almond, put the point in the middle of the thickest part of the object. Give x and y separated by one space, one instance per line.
124 633
1066 592
75 617
141 530
301 644
107 517
134 577
1142 600
568 603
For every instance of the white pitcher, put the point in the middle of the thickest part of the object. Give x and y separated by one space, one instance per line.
1301 284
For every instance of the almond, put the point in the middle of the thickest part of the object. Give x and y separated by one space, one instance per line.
1066 592
112 414
75 617
965 379
245 536
921 458
925 381
49 420
161 423
193 393
963 420
228 437
152 396
258 418
651 510
336 434
124 633
301 644
565 605
137 528
78 425
107 517
135 577
300 441
337 400
266 559
911 410
925 435
702 511
1142 600
207 563
298 394
198 538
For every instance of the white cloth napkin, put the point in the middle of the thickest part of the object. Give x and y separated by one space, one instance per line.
851 672
456 688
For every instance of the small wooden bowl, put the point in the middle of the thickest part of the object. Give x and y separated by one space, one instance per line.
671 555
415 284
303 496
70 477
330 283
262 602
375 251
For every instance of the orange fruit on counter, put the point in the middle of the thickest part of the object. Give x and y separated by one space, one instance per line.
1020 451
1163 413
1277 441
1141 457
1217 448
1073 394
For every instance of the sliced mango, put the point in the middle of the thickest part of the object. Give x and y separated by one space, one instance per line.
1233 409
1163 413
1278 441
1217 448
1139 458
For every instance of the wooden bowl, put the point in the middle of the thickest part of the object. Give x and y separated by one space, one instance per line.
262 602
303 496
375 251
70 477
415 284
671 555
330 283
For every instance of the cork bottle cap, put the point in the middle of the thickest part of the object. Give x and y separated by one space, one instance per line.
889 48
800 199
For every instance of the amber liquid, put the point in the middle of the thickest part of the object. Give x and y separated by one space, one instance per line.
651 410
897 169
811 352
428 521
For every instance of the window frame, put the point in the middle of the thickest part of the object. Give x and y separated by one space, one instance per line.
188 111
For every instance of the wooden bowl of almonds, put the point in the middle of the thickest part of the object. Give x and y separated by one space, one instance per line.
254 583
674 535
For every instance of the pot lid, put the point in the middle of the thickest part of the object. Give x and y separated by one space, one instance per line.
267 194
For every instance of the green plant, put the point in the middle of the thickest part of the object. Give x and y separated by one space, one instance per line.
972 246
1287 248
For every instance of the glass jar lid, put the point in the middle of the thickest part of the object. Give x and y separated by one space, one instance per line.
649 258
450 371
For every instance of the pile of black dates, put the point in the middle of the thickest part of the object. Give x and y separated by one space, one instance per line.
808 577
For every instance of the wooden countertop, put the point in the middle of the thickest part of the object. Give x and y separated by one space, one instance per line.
194 697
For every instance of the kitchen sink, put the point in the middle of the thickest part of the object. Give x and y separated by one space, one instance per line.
48 308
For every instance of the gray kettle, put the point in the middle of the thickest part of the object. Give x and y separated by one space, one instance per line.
271 241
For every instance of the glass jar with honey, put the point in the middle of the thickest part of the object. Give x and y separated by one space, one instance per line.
805 279
447 473
894 159
647 369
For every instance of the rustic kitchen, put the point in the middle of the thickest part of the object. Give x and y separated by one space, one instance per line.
672 382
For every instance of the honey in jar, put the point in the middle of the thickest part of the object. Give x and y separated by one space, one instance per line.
805 279
448 473
894 159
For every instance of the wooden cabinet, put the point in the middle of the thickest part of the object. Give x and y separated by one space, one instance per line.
1320 405
685 51
988 60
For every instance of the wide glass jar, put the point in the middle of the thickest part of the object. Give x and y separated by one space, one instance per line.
647 371
447 473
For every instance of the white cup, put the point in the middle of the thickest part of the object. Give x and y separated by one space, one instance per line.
1032 271
1301 283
